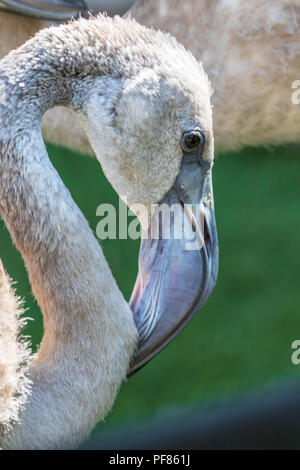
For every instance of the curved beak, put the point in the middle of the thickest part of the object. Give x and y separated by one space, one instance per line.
178 261
56 10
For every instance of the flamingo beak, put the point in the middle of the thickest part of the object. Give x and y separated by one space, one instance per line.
178 260
58 10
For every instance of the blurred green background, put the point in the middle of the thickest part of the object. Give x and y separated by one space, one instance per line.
241 339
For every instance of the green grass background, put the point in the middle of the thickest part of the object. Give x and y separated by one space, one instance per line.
241 339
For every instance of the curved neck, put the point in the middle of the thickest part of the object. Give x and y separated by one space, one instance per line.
89 333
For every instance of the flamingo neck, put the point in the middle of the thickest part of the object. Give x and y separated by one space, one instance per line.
89 333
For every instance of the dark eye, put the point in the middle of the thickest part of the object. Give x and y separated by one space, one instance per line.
192 140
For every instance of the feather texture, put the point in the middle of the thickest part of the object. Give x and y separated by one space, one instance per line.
15 355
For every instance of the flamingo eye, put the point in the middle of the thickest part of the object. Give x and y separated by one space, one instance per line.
192 140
